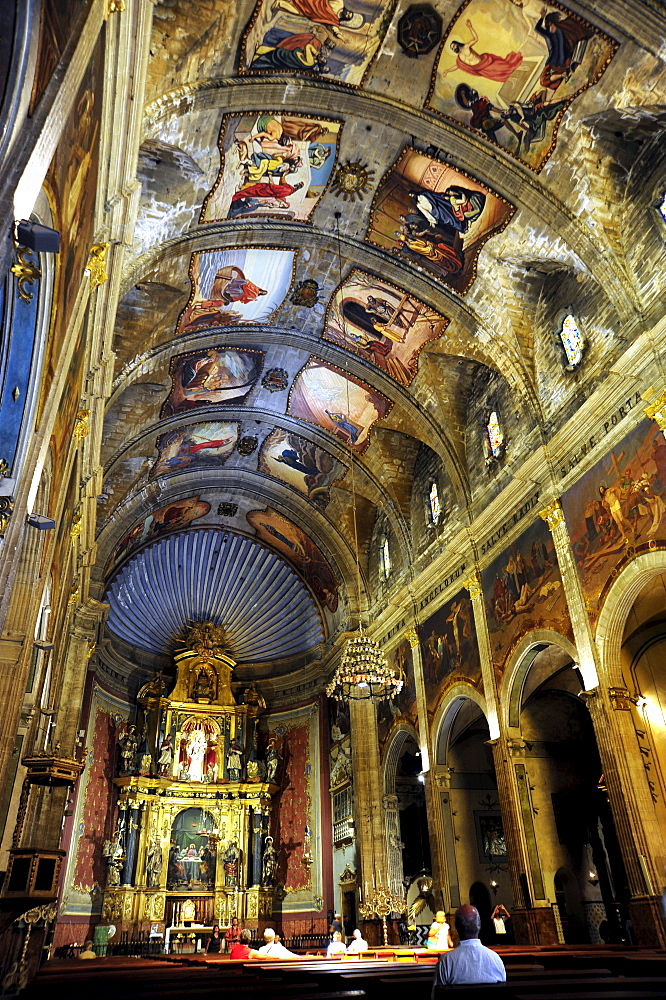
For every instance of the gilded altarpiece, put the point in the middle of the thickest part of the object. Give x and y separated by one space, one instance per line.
191 845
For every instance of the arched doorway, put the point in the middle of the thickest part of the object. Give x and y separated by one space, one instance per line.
572 826
474 837
408 842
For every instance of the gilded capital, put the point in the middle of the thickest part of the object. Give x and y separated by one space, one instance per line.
97 262
619 697
81 425
657 411
114 7
473 584
552 514
412 637
6 509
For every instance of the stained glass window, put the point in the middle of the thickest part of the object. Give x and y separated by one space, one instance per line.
572 340
495 435
662 206
384 557
434 504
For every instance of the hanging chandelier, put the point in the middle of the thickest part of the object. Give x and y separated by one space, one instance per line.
364 672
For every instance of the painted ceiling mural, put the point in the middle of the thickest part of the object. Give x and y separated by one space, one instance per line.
206 445
172 516
236 286
336 39
210 377
301 464
272 165
434 215
289 540
382 323
510 70
324 395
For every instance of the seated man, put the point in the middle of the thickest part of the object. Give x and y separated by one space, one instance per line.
272 948
471 961
337 946
358 944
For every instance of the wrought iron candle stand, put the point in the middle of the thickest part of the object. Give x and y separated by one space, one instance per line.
381 903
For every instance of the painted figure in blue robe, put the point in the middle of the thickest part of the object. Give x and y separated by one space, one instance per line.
344 423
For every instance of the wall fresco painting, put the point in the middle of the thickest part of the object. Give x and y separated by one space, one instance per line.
300 463
211 377
172 517
436 216
323 395
285 537
523 591
272 165
449 650
334 39
403 706
382 323
201 446
510 70
236 286
618 509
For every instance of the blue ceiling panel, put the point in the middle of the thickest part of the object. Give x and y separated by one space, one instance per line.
213 575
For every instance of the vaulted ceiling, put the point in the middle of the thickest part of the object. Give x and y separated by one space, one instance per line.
287 347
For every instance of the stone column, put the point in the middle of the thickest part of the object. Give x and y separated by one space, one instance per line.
641 841
368 792
81 639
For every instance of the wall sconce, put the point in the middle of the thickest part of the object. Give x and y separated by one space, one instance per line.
493 886
593 878
41 522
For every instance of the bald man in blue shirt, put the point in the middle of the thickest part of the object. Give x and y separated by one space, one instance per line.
471 961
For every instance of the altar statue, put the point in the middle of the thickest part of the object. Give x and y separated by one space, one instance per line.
234 761
154 865
272 760
196 752
188 914
129 746
166 757
269 864
231 860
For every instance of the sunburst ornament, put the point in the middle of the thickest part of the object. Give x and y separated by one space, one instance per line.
352 180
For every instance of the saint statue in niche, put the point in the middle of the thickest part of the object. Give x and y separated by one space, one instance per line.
196 752
231 863
234 761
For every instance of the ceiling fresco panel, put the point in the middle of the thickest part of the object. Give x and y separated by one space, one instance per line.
171 517
211 376
327 397
436 216
301 464
236 286
291 541
382 323
272 165
205 445
333 39
509 70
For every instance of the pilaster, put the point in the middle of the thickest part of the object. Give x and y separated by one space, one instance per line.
368 792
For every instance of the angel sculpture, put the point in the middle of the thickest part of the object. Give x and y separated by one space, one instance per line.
424 899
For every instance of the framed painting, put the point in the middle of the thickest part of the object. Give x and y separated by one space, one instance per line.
213 376
382 323
272 165
434 215
509 70
491 841
206 445
171 517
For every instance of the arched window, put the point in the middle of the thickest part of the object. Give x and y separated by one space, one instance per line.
434 506
384 558
573 341
661 207
495 435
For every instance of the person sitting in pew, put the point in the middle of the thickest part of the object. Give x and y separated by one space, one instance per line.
337 947
272 948
358 943
471 961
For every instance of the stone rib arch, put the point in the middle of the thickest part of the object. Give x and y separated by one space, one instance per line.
519 665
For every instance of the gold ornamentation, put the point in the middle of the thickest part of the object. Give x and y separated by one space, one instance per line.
473 585
657 411
26 272
114 7
4 469
6 509
352 180
73 598
552 514
382 902
97 262
412 637
77 524
620 699
81 425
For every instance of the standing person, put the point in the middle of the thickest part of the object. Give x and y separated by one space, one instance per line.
232 934
439 935
242 948
336 926
499 917
471 961
214 943
337 946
